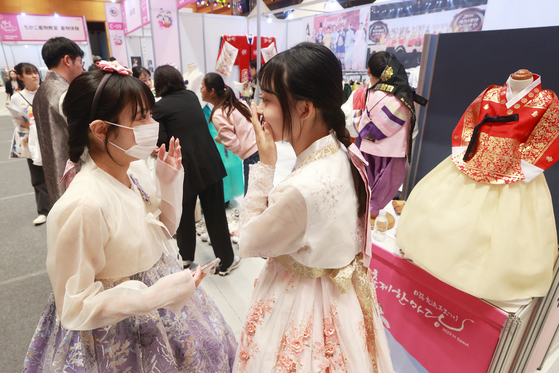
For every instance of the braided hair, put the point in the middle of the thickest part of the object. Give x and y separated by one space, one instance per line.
311 72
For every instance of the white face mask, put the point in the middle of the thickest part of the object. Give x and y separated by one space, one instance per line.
146 139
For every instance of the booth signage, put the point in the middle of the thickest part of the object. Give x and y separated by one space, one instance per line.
135 14
165 33
432 327
183 3
115 28
15 27
115 25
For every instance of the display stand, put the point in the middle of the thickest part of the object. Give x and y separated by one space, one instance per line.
418 307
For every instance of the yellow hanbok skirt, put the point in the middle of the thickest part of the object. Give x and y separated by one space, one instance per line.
496 242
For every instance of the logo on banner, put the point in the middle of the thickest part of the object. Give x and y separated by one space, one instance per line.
468 20
7 26
378 31
113 11
117 40
164 19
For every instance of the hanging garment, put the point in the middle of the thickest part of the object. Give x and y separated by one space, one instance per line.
483 220
246 51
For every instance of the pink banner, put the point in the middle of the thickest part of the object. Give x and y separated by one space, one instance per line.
183 3
15 27
165 33
135 14
431 326
145 12
116 33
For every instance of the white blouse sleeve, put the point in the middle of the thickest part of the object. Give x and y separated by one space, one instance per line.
169 185
275 229
76 240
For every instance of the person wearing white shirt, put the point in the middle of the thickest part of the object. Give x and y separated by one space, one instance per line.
22 101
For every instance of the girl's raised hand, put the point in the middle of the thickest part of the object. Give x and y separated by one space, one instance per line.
174 158
264 139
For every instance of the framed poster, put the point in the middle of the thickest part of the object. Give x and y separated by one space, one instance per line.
135 61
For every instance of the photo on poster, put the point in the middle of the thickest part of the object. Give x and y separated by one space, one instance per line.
345 34
135 61
150 65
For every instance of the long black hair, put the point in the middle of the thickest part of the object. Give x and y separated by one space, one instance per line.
226 97
121 92
378 61
167 80
25 68
311 72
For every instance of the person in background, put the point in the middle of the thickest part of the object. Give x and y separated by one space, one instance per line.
143 74
121 301
29 80
12 86
328 38
180 115
112 59
385 128
232 119
63 58
313 307
93 65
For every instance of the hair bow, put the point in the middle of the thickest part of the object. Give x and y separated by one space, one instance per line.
113 66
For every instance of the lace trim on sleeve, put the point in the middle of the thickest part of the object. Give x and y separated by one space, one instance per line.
261 182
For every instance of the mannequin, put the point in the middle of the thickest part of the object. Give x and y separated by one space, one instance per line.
191 68
194 78
483 220
520 80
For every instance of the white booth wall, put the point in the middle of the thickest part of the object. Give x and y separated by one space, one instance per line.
134 45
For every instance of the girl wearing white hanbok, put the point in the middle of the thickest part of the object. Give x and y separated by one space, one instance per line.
313 308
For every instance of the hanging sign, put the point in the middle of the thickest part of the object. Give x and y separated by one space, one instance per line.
135 14
165 33
18 27
183 3
116 33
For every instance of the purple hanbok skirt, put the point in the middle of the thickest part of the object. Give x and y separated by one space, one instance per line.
195 340
386 175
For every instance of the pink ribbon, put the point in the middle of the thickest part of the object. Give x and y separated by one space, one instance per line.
359 162
70 172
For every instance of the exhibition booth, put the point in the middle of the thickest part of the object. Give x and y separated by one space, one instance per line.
452 54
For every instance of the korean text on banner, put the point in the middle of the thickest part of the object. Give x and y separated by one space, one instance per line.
15 27
134 14
424 316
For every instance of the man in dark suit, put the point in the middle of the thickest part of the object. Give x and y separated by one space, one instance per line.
180 115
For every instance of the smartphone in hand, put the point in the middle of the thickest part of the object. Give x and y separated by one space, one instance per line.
209 268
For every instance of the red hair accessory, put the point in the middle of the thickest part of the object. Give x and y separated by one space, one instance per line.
224 85
113 67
